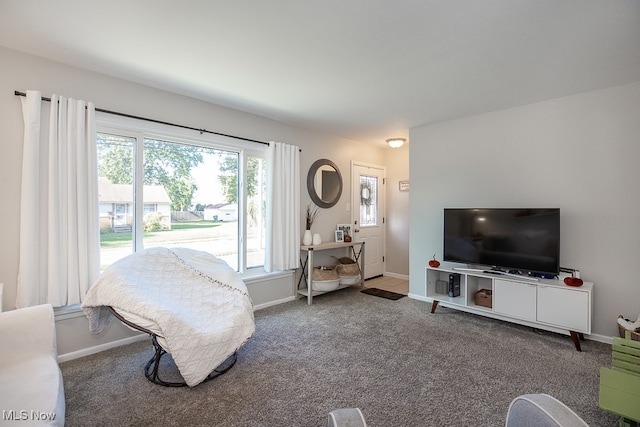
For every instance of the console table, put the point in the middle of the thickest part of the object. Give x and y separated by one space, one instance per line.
307 265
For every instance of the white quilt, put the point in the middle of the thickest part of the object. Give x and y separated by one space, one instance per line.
197 302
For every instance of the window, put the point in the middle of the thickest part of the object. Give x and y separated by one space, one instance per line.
165 191
150 208
368 200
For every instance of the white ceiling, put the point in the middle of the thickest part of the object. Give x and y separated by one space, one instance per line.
361 69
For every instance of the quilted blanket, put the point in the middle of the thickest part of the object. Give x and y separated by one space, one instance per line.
196 301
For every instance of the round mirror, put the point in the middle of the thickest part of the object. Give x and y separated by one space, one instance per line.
324 183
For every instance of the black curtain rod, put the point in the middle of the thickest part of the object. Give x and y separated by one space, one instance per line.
18 93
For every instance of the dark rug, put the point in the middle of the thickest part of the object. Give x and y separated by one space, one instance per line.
382 293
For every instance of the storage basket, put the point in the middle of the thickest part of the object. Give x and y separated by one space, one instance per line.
349 280
635 335
325 279
348 272
484 298
442 287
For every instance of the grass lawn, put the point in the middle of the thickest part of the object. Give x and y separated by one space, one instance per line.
115 240
190 225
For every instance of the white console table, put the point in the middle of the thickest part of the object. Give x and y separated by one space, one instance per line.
307 265
544 304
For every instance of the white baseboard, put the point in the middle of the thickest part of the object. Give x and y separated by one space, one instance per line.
272 303
141 337
396 275
419 297
600 338
102 347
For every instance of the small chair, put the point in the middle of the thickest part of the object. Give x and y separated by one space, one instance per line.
346 417
541 410
620 384
528 410
195 307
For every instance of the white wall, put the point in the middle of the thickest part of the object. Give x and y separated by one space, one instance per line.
397 239
579 153
23 72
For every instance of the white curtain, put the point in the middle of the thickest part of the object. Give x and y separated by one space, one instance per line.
284 207
59 223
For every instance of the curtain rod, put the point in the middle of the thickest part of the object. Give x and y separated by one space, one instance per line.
115 113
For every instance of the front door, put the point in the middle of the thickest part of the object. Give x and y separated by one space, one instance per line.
120 217
367 188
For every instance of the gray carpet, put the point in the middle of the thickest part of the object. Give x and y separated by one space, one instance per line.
400 364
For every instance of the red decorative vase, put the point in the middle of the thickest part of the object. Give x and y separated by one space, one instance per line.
573 281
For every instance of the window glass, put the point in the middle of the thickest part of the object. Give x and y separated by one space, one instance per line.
190 197
115 196
150 208
368 200
196 198
256 211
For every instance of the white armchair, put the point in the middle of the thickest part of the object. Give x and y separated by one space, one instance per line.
31 387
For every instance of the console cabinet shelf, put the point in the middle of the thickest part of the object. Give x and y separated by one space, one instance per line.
307 265
543 304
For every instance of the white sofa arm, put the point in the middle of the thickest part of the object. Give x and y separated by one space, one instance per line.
29 330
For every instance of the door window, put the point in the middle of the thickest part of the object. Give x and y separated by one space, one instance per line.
368 200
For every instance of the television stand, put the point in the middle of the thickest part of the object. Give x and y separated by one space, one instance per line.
516 276
495 272
546 304
470 270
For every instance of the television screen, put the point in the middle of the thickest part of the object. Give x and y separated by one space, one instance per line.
527 240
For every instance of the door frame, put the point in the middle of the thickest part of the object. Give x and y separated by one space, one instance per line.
354 204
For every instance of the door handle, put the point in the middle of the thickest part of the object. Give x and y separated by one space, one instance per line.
356 230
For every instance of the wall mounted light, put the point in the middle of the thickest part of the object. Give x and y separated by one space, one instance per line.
396 142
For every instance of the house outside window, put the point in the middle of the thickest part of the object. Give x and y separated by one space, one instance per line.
150 208
120 218
177 192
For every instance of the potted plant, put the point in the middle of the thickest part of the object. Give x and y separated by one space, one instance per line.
311 216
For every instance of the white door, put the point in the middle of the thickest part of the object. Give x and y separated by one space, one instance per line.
120 217
367 201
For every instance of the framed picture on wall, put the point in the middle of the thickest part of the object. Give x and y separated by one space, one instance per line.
339 236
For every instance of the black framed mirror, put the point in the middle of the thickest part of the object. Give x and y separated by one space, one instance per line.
324 183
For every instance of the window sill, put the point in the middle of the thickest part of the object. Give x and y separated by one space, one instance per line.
68 312
252 276
259 275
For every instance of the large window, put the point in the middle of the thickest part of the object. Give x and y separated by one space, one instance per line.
157 191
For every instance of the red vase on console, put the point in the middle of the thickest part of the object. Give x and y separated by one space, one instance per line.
574 280
434 262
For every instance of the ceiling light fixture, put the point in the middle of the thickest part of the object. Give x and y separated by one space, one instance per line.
396 142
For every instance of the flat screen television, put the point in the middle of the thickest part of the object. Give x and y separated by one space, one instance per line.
524 240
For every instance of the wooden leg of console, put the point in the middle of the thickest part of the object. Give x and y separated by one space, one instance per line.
434 305
575 337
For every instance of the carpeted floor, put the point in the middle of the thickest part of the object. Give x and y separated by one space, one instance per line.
400 364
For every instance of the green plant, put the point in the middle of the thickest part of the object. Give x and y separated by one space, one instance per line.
153 222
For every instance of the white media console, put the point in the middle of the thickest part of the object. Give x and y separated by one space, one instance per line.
540 303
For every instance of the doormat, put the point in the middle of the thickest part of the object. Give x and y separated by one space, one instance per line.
382 293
